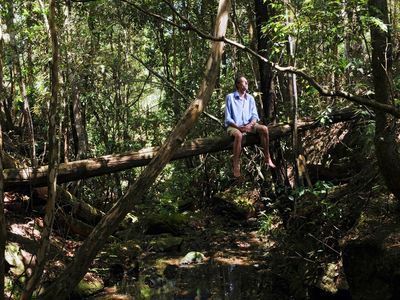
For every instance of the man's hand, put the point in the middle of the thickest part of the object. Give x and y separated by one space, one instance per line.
246 128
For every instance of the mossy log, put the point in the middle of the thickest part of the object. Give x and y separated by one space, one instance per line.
71 205
20 178
77 208
74 225
78 215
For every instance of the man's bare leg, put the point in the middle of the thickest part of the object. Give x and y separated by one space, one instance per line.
264 137
237 149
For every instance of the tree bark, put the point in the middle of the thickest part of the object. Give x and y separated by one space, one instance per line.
292 90
19 178
77 120
387 150
76 270
3 232
53 162
71 205
5 118
263 13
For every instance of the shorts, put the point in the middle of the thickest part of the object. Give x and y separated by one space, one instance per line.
230 130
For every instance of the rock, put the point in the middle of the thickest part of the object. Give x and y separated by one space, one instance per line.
165 243
122 252
131 249
239 202
131 233
89 285
171 271
193 257
14 258
158 223
154 281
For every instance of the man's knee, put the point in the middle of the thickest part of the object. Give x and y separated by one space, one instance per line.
262 129
238 136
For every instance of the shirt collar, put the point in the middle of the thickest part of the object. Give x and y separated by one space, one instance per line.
236 95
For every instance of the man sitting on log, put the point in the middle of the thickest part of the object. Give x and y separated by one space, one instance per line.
240 118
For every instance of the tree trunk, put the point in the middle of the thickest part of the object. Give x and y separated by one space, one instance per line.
292 82
19 178
76 270
267 90
79 128
3 232
4 120
75 214
387 151
53 161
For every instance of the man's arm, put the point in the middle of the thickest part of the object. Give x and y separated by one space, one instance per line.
229 121
253 111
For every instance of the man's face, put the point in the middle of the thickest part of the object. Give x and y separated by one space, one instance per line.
243 85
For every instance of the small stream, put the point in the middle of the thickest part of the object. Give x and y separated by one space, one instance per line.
205 281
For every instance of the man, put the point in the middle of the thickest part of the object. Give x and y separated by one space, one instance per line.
240 118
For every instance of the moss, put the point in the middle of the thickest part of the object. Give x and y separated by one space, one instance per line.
328 280
241 202
145 292
165 222
88 286
14 258
166 242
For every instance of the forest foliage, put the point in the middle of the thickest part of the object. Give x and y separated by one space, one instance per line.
130 75
129 69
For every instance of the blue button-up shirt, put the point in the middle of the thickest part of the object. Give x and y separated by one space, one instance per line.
240 111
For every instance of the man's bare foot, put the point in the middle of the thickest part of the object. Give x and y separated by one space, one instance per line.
270 163
236 171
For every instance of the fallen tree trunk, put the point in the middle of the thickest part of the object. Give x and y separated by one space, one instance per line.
73 213
19 178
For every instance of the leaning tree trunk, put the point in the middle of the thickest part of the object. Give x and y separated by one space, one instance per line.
86 253
387 151
53 161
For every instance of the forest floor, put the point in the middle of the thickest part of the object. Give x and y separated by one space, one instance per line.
231 258
217 255
221 256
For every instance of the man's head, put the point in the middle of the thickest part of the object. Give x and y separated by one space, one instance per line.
241 84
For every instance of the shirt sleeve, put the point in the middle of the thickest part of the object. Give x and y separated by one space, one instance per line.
253 110
228 111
